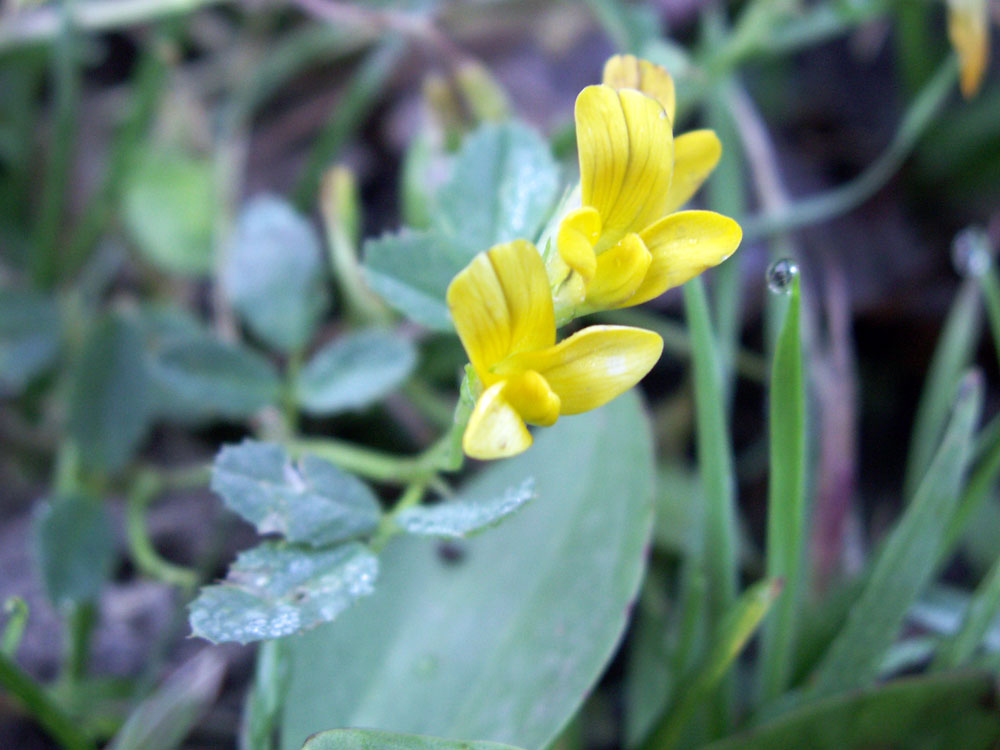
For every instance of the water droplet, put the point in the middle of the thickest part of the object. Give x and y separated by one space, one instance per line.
781 274
970 252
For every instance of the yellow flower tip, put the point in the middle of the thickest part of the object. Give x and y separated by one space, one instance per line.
629 72
578 233
969 34
683 245
620 272
626 150
495 429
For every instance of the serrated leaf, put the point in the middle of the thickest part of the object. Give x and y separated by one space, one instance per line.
504 643
311 502
29 336
502 187
275 590
110 399
168 208
411 272
274 273
461 517
948 710
202 375
75 545
368 739
355 370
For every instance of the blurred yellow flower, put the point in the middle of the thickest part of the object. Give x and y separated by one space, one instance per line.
501 304
969 33
625 245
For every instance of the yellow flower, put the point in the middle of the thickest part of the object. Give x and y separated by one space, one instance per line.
625 245
969 34
502 307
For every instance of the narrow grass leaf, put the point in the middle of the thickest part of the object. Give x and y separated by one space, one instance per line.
951 357
906 562
981 614
786 520
728 642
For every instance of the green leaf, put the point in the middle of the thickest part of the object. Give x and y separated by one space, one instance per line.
906 562
311 502
505 642
980 614
274 273
503 186
786 515
463 516
728 641
29 336
110 399
355 370
369 739
169 209
951 356
204 376
411 272
165 718
649 680
947 710
75 545
275 590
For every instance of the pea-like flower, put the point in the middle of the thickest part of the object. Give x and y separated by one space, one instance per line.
625 244
501 304
968 30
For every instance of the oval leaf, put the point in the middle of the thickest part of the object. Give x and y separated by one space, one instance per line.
29 336
275 590
504 643
355 370
460 517
312 502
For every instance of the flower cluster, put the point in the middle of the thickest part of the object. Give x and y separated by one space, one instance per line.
624 244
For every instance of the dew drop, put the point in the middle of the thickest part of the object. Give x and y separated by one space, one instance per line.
970 252
781 274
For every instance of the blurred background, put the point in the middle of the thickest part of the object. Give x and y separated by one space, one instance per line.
133 134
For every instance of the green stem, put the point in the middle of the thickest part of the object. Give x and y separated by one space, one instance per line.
387 527
59 725
144 489
833 203
289 396
80 625
16 610
371 464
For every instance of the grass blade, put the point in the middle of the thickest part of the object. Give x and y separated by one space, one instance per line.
786 520
951 357
983 609
906 562
730 637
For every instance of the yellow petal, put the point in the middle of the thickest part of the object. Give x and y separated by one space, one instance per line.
594 365
626 151
532 398
495 429
501 305
629 72
683 245
620 271
695 155
969 35
578 233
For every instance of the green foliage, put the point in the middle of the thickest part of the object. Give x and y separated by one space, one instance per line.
312 501
908 559
274 590
952 710
463 516
355 370
366 739
273 274
503 184
110 399
29 336
168 207
75 545
505 641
